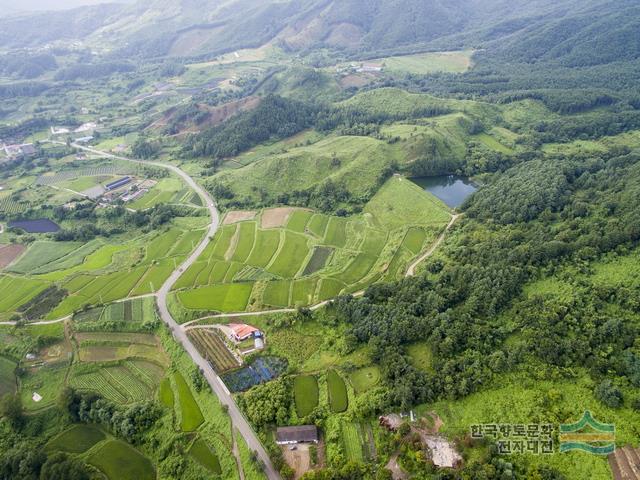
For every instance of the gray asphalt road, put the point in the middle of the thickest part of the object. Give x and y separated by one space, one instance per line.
218 387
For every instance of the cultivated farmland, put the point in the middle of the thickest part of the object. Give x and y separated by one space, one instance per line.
313 257
120 461
306 394
213 349
338 398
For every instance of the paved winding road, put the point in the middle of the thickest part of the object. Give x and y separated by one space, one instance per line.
238 420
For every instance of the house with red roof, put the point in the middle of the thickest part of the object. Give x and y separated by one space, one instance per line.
240 331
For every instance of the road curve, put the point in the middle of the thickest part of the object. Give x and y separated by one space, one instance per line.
411 271
217 386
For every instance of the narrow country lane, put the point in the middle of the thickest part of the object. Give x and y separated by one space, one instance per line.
217 386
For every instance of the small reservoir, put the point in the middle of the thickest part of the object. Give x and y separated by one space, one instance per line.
451 189
40 225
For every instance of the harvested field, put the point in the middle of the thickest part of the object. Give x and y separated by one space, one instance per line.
276 217
8 253
236 216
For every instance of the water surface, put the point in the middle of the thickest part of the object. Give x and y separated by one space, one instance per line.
40 225
451 189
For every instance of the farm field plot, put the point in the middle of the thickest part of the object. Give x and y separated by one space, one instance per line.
46 381
120 461
314 257
223 297
8 253
77 439
292 254
306 394
213 348
132 381
190 414
17 291
203 454
298 220
352 441
41 253
423 63
277 293
338 398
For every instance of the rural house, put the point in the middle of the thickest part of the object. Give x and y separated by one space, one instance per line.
240 331
295 435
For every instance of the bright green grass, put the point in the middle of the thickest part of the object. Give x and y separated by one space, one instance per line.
424 63
165 393
17 291
224 297
101 258
421 356
299 220
217 273
77 439
318 225
291 256
352 442
190 415
160 246
156 276
401 202
329 288
357 269
492 143
306 394
45 381
41 253
7 376
303 291
276 293
414 240
246 238
120 461
188 242
338 398
267 242
201 452
365 378
223 241
336 234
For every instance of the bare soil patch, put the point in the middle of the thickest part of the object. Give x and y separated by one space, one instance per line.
276 217
8 253
236 216
356 80
298 459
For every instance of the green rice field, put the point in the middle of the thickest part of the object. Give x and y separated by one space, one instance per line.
338 398
77 439
306 394
190 414
120 461
313 257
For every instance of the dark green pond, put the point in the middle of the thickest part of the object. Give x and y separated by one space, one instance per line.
451 189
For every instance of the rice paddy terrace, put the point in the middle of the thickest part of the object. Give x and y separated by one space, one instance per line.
290 257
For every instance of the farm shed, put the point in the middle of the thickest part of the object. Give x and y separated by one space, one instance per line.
294 435
118 183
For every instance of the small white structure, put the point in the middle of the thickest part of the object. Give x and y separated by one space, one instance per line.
30 356
36 397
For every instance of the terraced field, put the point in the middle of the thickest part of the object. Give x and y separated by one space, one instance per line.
132 381
313 257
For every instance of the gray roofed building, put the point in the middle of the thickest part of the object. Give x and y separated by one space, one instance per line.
293 435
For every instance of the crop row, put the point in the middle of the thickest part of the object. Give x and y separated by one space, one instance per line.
214 350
